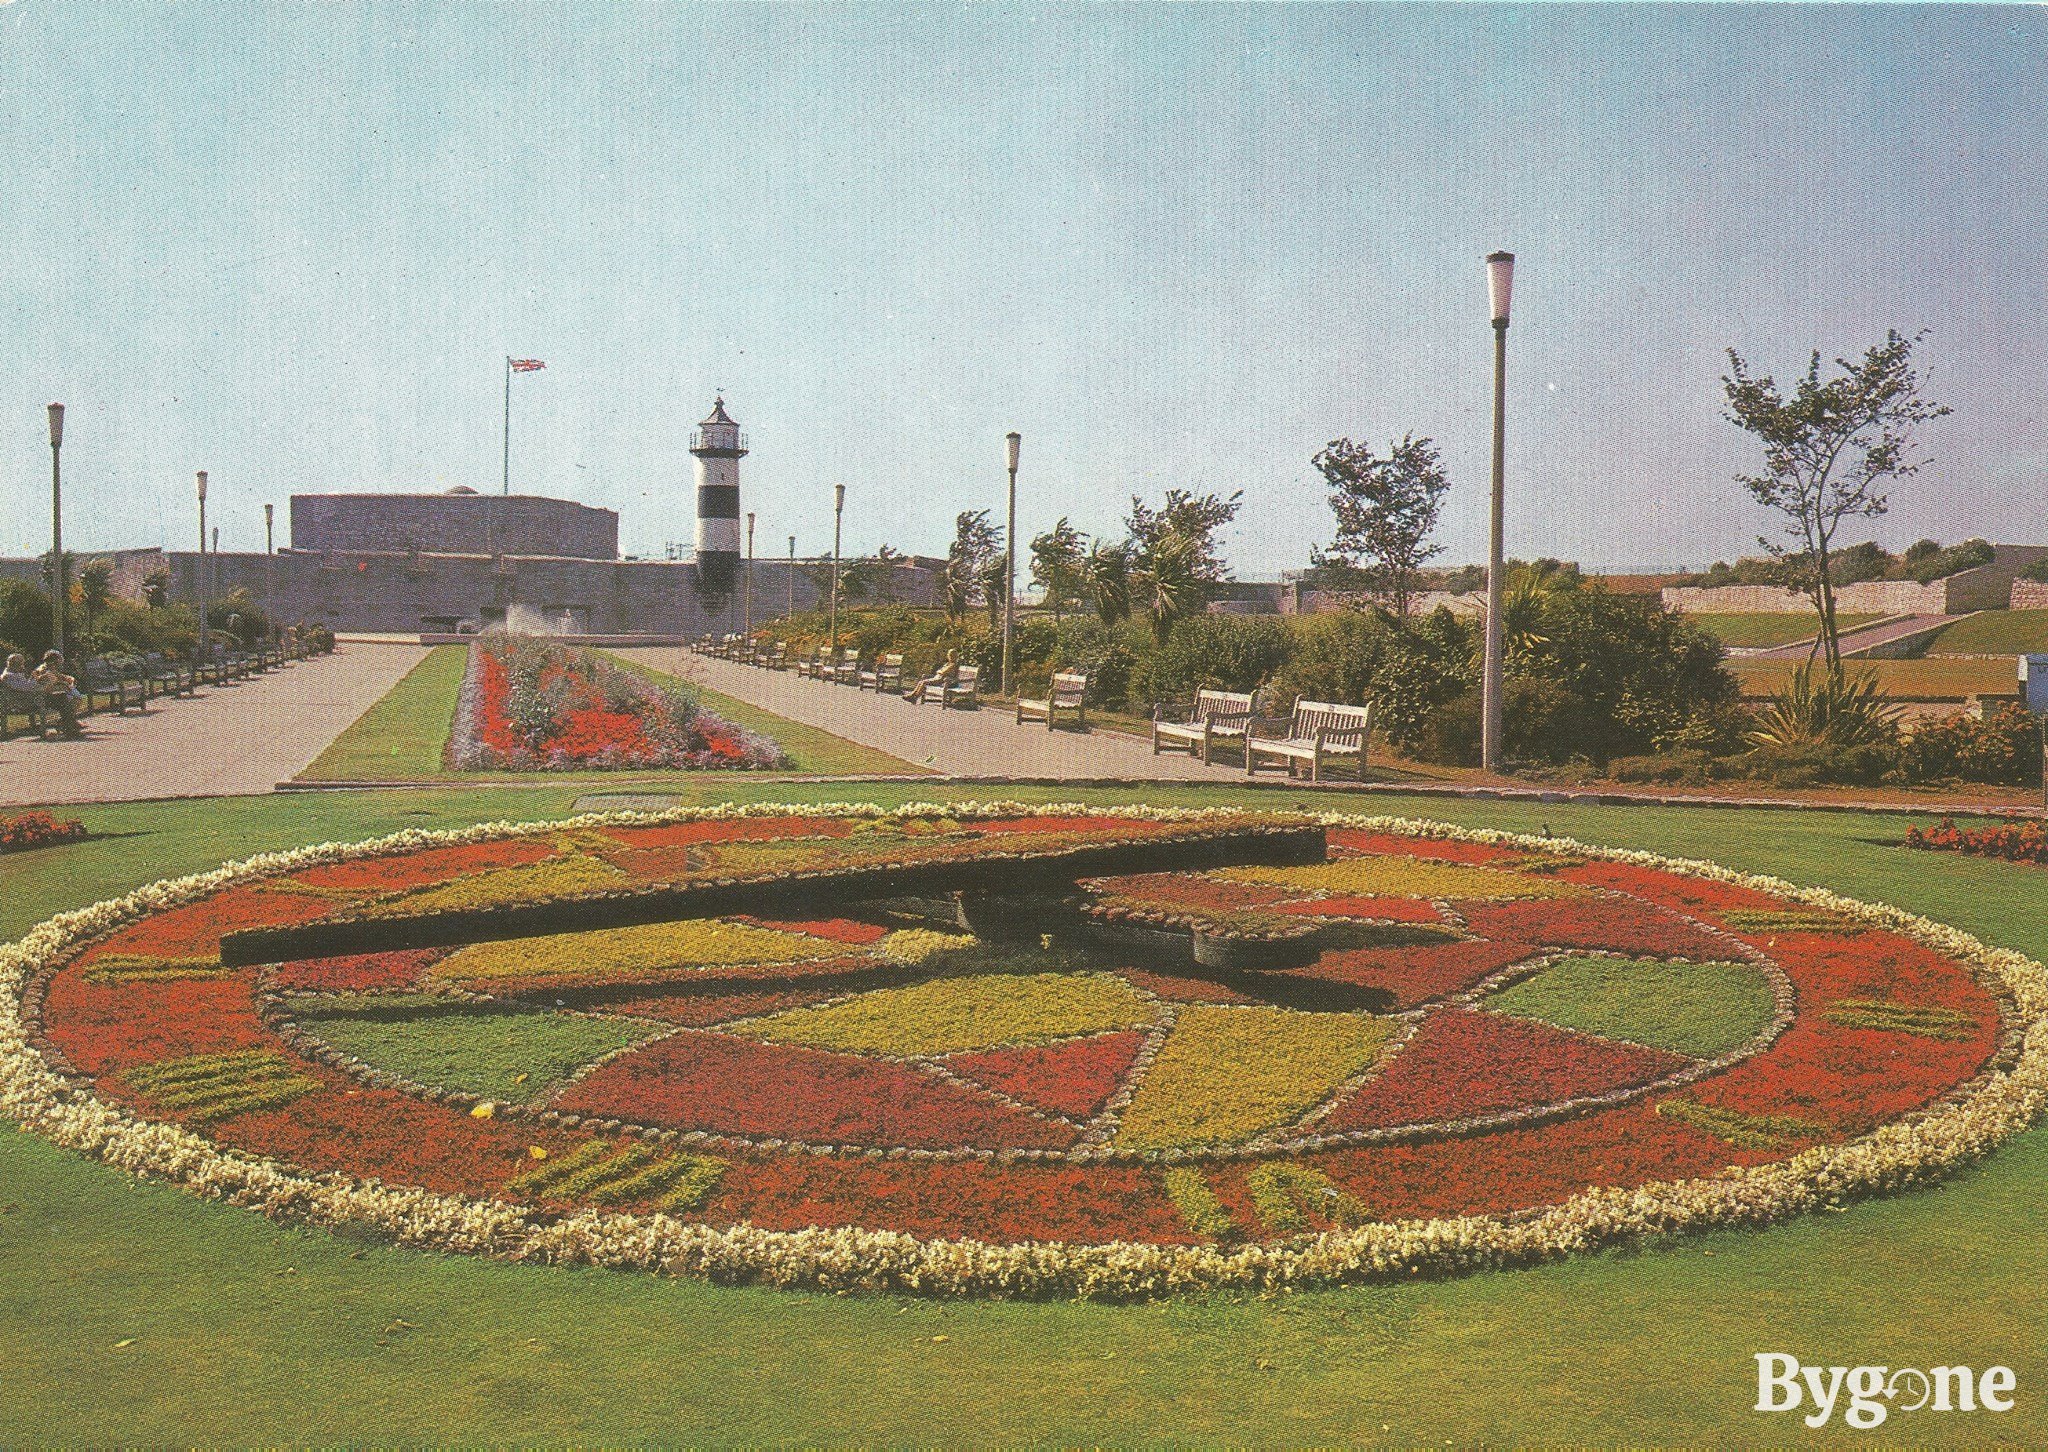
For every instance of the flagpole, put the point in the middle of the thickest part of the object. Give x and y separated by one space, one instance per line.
508 423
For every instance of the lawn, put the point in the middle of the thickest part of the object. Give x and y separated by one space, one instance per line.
1762 629
401 738
133 1312
1937 678
1995 632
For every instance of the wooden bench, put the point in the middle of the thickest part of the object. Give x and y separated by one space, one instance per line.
962 690
814 665
1317 732
886 676
1068 692
101 681
845 671
24 706
777 657
1216 716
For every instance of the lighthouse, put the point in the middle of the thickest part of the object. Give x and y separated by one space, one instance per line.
718 446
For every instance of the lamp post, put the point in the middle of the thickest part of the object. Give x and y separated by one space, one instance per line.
1500 279
60 597
789 581
747 584
270 568
838 514
269 538
205 639
1015 441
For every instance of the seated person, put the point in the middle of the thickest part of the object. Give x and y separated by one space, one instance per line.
16 681
60 691
945 675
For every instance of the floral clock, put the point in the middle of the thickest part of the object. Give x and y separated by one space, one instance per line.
1431 1051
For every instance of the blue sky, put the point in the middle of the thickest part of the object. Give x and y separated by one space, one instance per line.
293 245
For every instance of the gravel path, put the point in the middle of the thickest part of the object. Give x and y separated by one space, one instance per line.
988 742
240 739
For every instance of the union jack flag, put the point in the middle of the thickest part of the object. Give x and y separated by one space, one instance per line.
526 365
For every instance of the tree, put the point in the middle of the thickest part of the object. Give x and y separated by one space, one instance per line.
1198 516
1108 575
1828 449
1059 567
156 588
1174 554
995 579
1386 507
975 543
95 587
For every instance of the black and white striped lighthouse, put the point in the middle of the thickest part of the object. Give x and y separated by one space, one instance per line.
718 446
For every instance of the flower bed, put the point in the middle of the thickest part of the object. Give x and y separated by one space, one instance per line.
526 705
2026 842
25 830
868 1102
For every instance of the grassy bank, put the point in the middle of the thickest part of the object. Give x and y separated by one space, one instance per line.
132 1312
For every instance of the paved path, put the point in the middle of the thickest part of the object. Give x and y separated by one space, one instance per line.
235 740
1865 638
988 742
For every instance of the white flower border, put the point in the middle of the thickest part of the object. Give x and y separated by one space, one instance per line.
1918 1148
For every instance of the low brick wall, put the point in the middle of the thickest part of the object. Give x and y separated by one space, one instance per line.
2029 595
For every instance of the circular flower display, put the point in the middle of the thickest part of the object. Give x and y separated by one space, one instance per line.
1433 1050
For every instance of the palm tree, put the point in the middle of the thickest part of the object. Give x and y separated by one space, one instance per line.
95 588
1172 581
1108 576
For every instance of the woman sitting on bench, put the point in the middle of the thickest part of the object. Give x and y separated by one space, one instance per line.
60 692
939 679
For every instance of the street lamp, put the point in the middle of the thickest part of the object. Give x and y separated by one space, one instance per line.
205 639
1016 443
60 597
747 585
270 569
269 539
1500 281
789 581
838 514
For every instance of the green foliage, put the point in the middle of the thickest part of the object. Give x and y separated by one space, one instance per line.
1059 567
1386 507
2003 749
1826 727
1224 652
24 617
2036 571
976 545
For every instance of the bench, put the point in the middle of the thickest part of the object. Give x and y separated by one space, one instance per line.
1068 692
776 658
102 681
1317 732
813 666
962 690
163 676
886 676
846 670
24 706
1216 716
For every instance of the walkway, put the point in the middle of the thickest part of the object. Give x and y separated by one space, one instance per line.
1864 639
240 739
988 742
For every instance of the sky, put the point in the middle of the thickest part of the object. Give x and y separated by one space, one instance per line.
1173 246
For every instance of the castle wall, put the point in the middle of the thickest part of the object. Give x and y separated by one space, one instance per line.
508 524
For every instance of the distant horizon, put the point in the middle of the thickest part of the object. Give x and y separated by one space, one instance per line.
1173 246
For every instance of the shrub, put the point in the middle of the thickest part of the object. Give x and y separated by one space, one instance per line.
24 830
2002 750
25 617
1224 652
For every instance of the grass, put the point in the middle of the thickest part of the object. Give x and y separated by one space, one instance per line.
1701 1009
1937 678
1762 629
1995 632
130 1311
402 737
